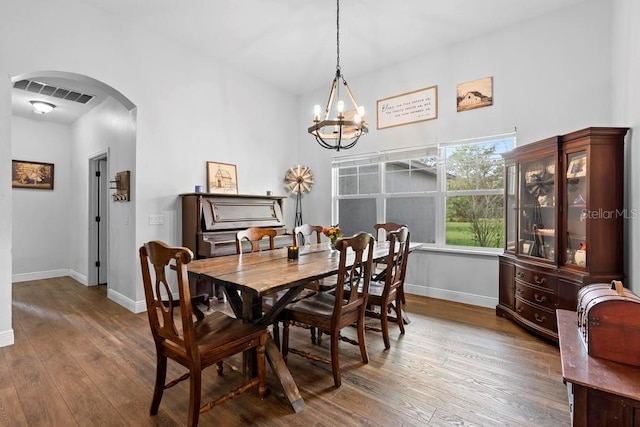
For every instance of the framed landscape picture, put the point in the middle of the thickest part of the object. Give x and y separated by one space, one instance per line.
222 178
32 175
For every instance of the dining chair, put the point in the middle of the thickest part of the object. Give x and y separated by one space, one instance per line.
303 234
193 343
381 231
331 313
385 296
383 228
255 235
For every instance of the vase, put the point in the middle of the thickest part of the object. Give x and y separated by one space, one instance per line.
332 244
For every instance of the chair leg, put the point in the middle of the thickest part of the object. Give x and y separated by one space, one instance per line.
261 360
195 390
335 361
399 316
361 343
161 376
384 325
276 333
220 368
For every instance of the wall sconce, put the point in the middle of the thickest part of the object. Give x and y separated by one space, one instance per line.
121 185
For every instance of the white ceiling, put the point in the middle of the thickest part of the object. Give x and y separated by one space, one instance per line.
292 43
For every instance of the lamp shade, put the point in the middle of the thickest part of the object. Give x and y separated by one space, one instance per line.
41 107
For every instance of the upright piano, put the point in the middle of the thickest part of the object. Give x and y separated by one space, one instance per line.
210 222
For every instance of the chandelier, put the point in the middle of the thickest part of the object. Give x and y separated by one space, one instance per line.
345 129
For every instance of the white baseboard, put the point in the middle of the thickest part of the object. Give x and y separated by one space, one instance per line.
6 338
448 295
126 302
50 274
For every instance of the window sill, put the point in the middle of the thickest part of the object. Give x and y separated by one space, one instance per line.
491 253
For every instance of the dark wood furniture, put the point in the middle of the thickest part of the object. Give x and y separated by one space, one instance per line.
331 312
385 290
382 229
303 234
601 392
246 279
194 344
210 223
255 235
563 224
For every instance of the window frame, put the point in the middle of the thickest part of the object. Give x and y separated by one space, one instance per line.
439 193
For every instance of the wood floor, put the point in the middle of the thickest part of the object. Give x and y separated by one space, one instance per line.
81 359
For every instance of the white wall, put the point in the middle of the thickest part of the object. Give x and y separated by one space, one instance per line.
626 110
41 232
551 75
176 131
6 202
108 126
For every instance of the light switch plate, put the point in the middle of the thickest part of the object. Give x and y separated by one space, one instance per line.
156 219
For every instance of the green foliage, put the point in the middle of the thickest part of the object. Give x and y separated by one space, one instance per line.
476 167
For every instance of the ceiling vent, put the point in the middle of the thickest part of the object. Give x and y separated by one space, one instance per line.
53 91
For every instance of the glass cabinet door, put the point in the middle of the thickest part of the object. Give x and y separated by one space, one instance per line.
537 209
576 209
511 209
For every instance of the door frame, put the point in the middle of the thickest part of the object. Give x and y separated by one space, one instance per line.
96 208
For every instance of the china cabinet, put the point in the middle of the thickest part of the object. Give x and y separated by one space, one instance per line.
563 224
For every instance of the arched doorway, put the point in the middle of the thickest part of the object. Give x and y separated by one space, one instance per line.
70 231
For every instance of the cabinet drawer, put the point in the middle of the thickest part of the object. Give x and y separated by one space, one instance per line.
535 277
539 296
535 314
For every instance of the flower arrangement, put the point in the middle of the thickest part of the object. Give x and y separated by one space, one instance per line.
333 233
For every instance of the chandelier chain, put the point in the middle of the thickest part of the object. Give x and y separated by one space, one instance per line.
338 35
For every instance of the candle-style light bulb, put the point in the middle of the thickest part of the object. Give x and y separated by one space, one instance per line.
361 111
316 113
340 107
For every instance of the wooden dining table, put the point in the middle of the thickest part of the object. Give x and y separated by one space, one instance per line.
248 278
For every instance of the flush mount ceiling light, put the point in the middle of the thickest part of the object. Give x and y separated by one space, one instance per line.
41 107
345 129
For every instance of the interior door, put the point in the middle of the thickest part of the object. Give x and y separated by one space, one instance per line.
102 200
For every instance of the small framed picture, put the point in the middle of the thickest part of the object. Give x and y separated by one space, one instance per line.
222 178
33 175
527 246
577 166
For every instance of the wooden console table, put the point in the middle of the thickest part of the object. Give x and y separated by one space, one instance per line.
601 392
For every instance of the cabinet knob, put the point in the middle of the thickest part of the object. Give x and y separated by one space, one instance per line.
538 280
519 309
520 275
519 291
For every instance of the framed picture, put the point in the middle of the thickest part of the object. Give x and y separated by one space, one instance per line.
222 178
411 107
577 166
474 94
527 246
33 175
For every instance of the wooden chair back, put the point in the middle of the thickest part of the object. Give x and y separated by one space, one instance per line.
255 235
357 276
193 341
396 260
303 234
387 292
384 228
331 313
159 295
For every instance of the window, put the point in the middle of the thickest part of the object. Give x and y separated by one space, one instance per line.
449 195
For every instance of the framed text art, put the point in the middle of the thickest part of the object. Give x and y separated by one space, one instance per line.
411 107
33 175
222 178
